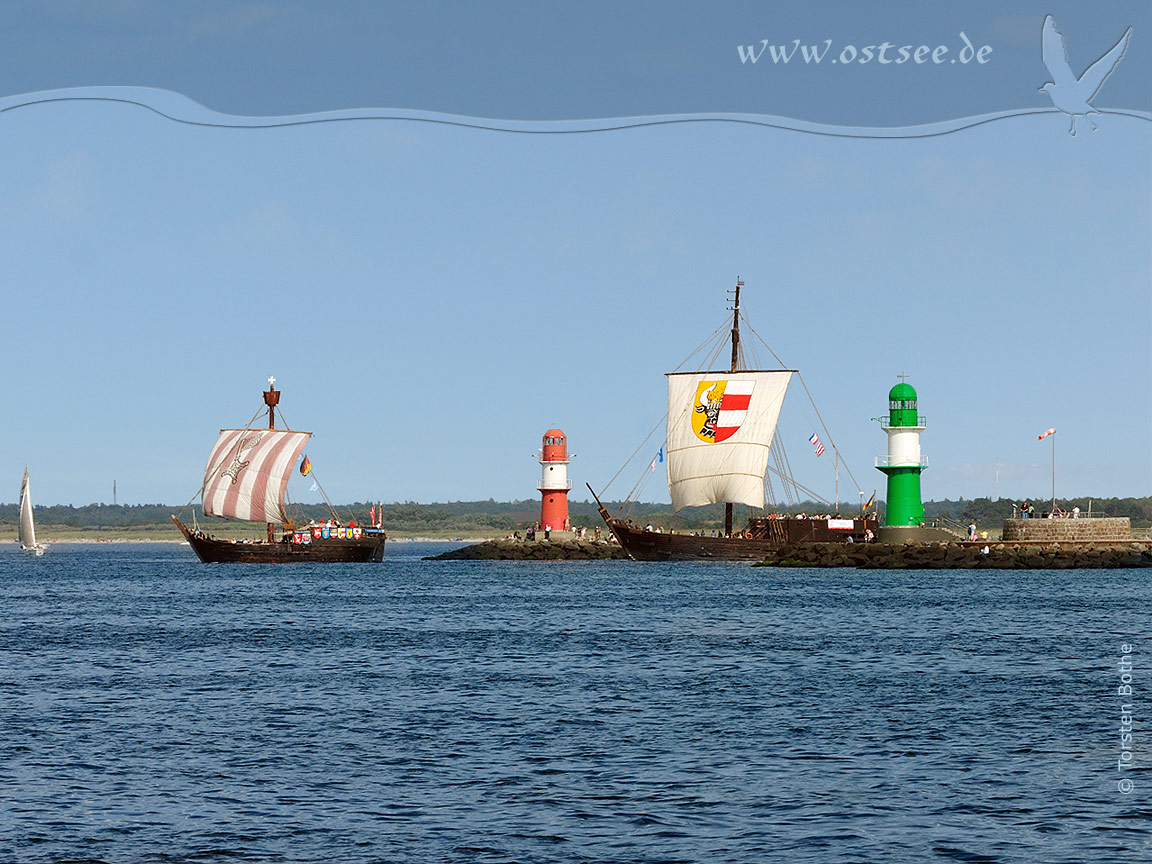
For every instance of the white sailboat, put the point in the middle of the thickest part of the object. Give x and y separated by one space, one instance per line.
27 529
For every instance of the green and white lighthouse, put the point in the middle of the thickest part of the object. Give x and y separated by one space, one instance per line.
903 464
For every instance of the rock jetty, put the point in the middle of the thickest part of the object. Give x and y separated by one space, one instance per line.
962 556
539 550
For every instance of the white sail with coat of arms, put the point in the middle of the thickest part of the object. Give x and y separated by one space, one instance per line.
720 426
247 473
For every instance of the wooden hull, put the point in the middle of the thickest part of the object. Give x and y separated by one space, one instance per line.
767 536
215 550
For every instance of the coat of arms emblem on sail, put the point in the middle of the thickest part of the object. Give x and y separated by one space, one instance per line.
719 408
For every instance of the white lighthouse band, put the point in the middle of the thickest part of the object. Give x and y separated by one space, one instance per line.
554 476
903 448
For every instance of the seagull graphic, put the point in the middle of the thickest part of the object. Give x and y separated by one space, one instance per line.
1070 94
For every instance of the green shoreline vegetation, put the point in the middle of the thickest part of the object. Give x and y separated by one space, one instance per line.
480 520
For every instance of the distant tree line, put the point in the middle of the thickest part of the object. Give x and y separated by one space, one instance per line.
465 516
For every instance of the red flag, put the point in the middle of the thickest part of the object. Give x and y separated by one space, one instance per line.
372 513
1051 431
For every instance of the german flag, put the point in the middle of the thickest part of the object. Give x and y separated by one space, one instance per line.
305 467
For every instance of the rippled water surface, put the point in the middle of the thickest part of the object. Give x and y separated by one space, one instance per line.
158 710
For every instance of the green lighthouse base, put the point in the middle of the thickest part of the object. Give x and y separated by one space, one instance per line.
904 507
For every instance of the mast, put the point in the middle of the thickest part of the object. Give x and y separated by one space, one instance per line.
271 399
836 494
735 353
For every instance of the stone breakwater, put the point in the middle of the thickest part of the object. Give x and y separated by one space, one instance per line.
961 556
1114 530
544 550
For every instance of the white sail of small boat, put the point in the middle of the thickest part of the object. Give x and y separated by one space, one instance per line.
27 528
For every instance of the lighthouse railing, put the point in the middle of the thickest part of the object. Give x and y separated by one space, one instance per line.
887 461
921 422
556 485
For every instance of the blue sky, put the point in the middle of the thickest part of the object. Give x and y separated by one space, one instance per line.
432 298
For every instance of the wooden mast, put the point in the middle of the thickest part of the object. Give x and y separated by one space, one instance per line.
735 353
271 399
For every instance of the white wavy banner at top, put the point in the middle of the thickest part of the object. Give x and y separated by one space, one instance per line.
180 109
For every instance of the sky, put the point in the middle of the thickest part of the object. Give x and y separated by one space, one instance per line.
433 296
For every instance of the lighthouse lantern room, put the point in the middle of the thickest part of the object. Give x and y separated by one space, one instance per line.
554 486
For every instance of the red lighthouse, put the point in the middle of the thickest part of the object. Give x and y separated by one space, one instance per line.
554 486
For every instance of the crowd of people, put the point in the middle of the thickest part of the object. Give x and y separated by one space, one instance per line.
580 532
1028 511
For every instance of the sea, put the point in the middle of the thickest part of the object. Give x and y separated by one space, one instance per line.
155 709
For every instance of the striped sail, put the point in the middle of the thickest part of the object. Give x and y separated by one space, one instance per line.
720 425
27 530
247 473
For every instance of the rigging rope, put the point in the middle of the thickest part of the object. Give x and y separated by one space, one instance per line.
331 506
766 345
628 461
823 425
211 470
708 339
639 484
788 471
813 495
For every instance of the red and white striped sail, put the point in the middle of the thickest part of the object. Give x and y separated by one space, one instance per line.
247 473
720 426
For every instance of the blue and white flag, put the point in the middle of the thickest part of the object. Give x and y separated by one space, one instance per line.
659 457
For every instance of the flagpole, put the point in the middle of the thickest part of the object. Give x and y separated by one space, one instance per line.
1052 433
837 494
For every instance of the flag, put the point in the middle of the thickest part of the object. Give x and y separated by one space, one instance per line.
372 514
305 467
815 442
314 487
871 501
659 457
1051 431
